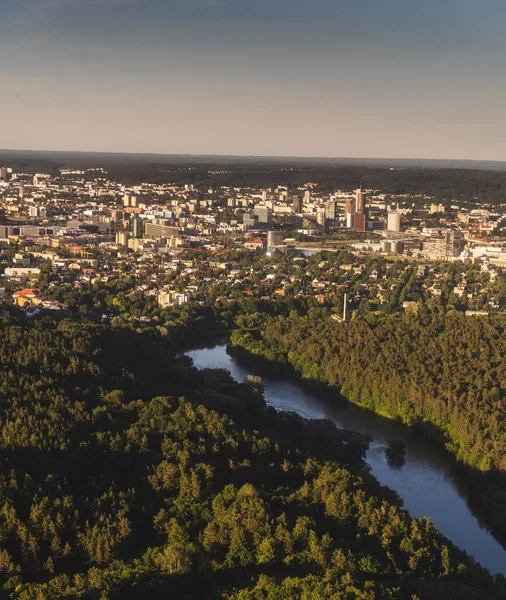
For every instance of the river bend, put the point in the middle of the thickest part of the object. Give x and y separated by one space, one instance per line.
428 482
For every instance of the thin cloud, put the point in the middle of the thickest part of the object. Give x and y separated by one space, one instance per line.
42 5
208 3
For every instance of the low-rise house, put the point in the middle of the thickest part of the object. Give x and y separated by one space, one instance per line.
31 296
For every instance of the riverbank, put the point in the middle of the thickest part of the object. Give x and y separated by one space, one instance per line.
475 482
428 483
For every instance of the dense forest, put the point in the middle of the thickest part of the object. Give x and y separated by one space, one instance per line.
456 184
128 473
444 373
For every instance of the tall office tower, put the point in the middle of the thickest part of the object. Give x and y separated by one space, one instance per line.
126 200
454 241
298 203
349 212
3 173
359 222
122 238
133 201
394 221
360 201
137 227
320 218
307 197
350 205
331 209
264 214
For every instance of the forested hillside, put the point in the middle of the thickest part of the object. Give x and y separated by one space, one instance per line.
127 473
445 373
457 184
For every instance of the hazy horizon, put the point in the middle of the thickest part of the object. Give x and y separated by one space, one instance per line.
364 161
246 156
327 79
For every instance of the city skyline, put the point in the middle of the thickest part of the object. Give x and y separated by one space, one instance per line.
264 79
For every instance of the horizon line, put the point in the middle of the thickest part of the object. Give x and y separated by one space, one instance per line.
253 156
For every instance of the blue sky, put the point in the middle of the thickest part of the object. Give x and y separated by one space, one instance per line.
280 77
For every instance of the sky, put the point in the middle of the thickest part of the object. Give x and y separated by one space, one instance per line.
334 78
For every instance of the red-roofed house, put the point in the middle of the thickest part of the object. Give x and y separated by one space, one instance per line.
254 243
30 295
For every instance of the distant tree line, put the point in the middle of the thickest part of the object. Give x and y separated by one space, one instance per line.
440 183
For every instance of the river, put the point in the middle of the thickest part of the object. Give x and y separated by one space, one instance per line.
427 482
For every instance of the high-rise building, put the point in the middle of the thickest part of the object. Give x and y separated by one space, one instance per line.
264 215
360 202
359 222
356 212
448 243
137 227
320 218
307 197
331 209
4 173
298 203
394 221
350 205
349 212
122 238
454 242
